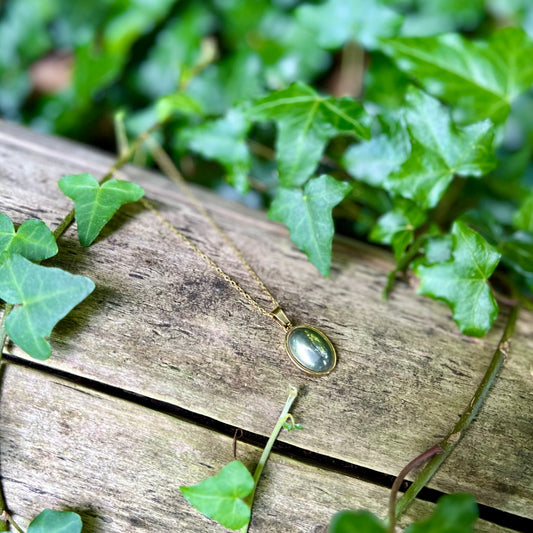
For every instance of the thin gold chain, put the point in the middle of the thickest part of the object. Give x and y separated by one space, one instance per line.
166 164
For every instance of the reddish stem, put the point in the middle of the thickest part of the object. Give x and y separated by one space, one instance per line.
422 458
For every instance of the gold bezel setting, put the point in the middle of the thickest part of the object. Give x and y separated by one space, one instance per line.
302 367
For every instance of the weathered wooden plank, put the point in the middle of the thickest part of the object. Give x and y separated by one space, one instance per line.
162 324
120 465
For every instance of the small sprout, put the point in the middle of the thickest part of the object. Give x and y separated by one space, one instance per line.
290 424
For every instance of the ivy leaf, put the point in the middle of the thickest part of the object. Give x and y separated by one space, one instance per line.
462 281
439 16
219 86
523 218
455 513
397 226
517 253
306 121
95 204
176 104
42 296
224 140
336 21
374 160
489 220
101 58
356 522
93 69
33 239
56 522
384 83
178 49
220 497
439 151
480 78
438 249
307 214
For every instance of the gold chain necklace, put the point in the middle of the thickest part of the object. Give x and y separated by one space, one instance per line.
307 347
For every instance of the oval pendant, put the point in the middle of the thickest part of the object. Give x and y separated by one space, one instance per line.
310 350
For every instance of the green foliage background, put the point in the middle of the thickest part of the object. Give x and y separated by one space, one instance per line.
430 152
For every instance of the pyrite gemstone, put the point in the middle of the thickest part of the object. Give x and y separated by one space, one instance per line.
311 350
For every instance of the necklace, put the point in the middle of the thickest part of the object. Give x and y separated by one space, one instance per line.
307 347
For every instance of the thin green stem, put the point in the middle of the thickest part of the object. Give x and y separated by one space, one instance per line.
5 516
455 435
3 334
445 211
268 448
404 262
119 163
4 524
120 132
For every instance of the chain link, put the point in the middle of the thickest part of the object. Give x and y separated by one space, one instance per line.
167 166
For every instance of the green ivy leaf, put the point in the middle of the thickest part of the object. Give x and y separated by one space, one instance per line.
33 239
374 160
455 513
172 59
220 86
439 151
306 121
289 426
95 204
307 214
523 218
438 249
103 51
480 78
176 104
220 497
397 226
384 83
488 221
462 281
517 253
56 522
42 296
336 21
356 522
439 16
224 140
286 48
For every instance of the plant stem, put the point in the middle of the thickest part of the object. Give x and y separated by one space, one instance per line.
455 435
268 448
121 136
4 524
9 519
119 163
422 458
404 262
443 212
3 334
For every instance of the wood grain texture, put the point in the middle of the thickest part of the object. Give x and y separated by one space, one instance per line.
162 324
120 466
